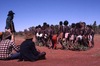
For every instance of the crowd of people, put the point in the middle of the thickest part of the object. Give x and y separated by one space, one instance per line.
77 36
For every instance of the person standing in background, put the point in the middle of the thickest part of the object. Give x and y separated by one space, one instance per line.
10 24
1 36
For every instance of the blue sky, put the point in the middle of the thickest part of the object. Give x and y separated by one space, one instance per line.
34 12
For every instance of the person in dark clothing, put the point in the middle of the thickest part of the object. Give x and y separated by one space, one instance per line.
28 51
1 36
10 24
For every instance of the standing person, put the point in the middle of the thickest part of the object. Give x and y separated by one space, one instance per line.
60 34
72 35
1 36
54 41
78 33
90 35
6 48
50 34
10 24
66 30
66 33
28 51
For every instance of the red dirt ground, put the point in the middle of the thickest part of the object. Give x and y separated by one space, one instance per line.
62 57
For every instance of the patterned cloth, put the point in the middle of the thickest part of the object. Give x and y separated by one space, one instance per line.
6 47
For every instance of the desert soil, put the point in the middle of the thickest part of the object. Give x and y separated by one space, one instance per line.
60 57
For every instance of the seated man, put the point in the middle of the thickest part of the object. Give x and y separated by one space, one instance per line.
6 48
28 51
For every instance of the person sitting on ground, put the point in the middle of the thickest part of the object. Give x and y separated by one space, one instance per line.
6 48
28 51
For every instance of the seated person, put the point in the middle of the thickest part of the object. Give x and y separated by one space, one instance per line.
6 48
28 51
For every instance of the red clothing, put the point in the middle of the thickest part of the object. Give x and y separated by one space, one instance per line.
54 41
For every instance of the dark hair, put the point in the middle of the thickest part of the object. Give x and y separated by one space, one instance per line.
48 25
78 25
73 25
66 22
44 24
39 26
84 23
89 26
60 23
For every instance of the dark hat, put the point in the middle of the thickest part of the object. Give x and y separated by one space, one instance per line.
6 35
11 12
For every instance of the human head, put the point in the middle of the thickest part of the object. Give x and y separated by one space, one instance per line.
60 23
10 13
78 25
66 22
73 25
28 35
89 26
6 35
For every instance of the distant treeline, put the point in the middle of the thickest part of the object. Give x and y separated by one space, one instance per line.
95 27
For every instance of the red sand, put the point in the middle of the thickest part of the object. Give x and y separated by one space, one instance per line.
63 57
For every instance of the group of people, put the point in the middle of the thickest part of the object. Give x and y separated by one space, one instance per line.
77 35
70 37
26 51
